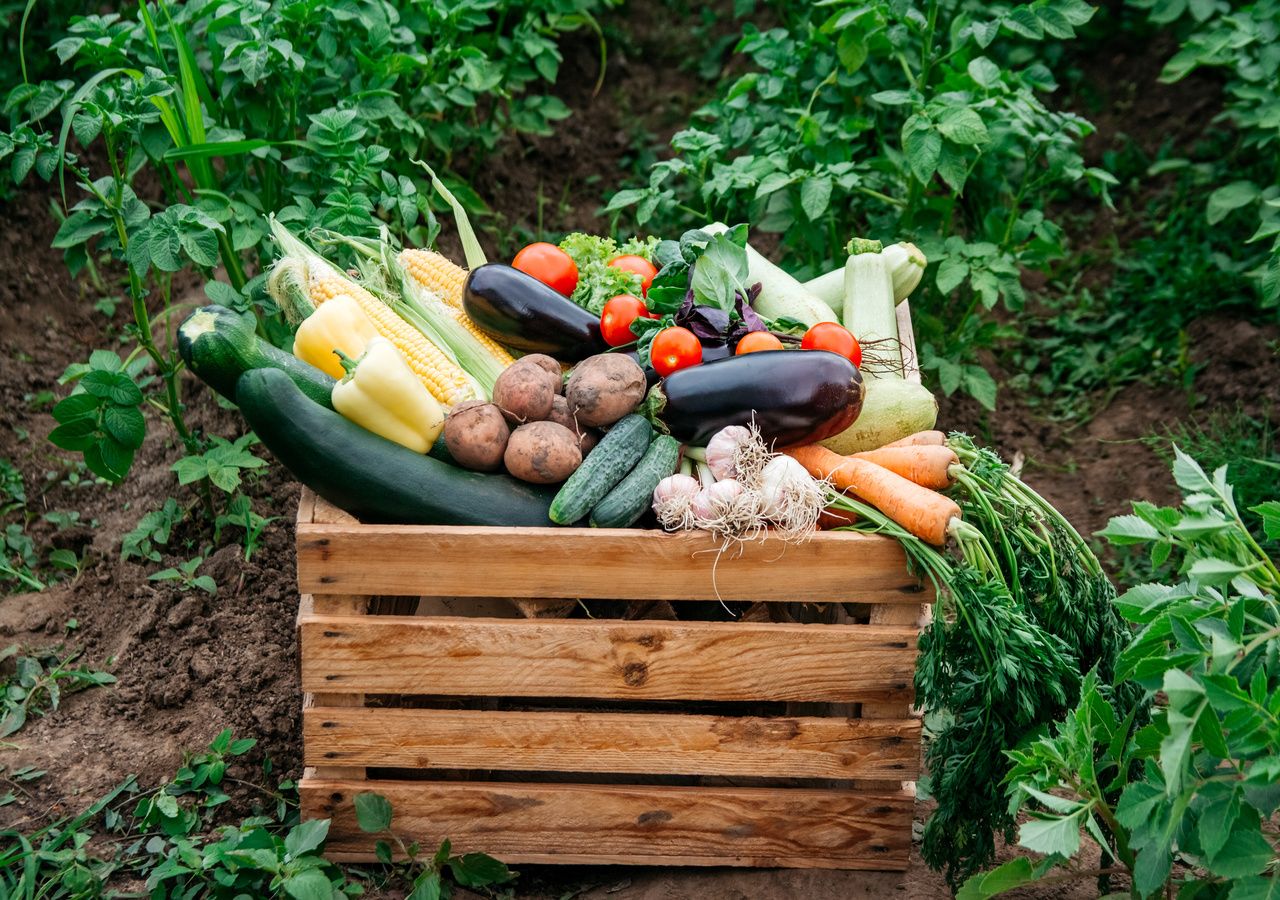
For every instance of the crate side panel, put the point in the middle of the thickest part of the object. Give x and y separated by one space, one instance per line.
634 743
604 563
639 660
603 824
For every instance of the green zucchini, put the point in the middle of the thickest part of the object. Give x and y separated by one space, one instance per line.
220 345
627 502
374 479
616 454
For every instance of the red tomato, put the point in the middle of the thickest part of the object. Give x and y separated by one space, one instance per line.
675 348
834 337
640 266
617 316
757 340
550 265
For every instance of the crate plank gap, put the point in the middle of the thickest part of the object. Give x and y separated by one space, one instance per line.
591 741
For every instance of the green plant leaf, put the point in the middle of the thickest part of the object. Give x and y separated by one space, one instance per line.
1269 512
309 884
1230 197
479 870
1246 852
964 126
1059 835
815 195
923 147
1013 874
427 886
306 836
373 812
1255 888
125 424
1215 571
1122 531
984 72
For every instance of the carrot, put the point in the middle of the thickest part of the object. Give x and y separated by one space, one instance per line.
923 512
925 464
920 438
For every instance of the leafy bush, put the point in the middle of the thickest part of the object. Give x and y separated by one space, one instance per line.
1200 784
1240 42
893 120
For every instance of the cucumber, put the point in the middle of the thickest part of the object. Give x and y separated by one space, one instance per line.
627 502
374 479
616 454
220 345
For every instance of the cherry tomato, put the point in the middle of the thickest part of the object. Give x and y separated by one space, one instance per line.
834 337
757 340
617 316
640 266
675 348
550 265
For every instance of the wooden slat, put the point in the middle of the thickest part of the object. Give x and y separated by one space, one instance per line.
637 660
608 563
635 743
615 824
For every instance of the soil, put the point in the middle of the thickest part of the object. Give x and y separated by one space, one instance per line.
191 664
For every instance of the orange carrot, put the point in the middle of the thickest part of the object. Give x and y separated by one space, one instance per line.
925 464
923 512
920 438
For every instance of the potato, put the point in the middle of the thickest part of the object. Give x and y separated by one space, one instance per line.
549 365
476 435
604 388
524 392
543 453
560 415
588 441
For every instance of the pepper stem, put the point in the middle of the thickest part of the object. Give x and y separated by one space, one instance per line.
348 364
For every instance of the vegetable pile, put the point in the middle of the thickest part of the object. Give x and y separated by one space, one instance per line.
691 385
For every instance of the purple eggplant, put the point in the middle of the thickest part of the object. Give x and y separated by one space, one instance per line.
793 396
521 312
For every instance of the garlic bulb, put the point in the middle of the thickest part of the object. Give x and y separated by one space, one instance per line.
713 502
722 450
671 501
789 497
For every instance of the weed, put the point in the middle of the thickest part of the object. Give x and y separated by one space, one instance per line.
474 870
39 681
185 575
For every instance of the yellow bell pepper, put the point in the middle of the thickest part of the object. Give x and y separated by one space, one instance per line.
382 394
337 324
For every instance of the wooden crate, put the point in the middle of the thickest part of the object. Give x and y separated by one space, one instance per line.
596 741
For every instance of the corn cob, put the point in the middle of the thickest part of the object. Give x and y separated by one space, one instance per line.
438 274
444 278
303 280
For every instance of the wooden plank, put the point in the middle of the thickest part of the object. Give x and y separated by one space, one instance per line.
907 335
639 660
635 743
608 563
636 825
